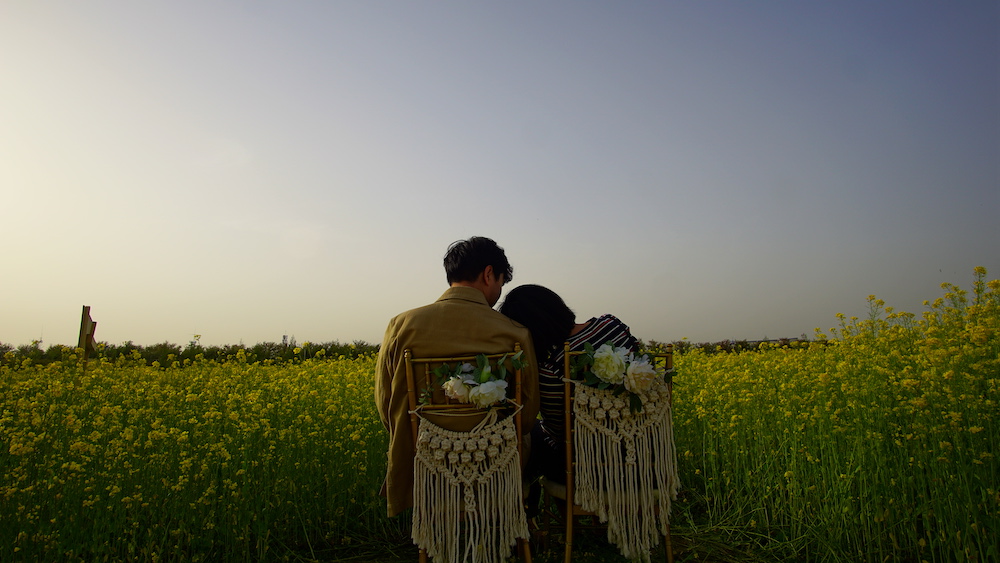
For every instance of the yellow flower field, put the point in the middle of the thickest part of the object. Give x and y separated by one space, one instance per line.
207 462
877 441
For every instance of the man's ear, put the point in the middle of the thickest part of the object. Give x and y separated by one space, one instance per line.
487 272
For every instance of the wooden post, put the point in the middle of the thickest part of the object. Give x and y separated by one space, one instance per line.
87 329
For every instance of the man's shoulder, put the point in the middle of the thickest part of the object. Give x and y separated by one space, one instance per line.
517 326
459 310
457 320
414 312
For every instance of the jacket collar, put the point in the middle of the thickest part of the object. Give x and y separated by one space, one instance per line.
463 293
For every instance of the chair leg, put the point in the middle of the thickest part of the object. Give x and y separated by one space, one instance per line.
569 534
524 550
668 546
423 555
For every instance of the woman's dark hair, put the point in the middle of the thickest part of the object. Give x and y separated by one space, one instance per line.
544 313
466 259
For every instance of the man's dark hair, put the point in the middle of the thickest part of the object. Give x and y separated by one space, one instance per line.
544 313
466 259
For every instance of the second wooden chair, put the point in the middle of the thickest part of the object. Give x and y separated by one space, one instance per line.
621 465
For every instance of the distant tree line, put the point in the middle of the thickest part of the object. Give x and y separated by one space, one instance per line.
724 346
166 353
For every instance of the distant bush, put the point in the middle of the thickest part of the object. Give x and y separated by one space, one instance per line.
166 353
725 346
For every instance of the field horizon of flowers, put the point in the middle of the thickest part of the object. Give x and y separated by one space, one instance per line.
874 442
206 461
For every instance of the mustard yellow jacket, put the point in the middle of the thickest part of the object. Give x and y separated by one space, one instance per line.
460 323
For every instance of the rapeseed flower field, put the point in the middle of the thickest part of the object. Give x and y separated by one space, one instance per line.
207 461
876 441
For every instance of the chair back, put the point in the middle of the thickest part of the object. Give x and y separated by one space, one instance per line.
629 496
467 466
424 387
662 361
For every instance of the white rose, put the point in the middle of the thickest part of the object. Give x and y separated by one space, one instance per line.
485 394
609 363
456 388
640 375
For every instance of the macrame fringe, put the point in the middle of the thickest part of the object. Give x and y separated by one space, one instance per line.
626 464
467 492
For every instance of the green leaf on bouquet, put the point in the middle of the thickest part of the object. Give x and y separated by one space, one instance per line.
482 374
635 403
443 372
515 360
501 371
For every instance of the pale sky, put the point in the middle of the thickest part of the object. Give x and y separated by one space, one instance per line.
713 170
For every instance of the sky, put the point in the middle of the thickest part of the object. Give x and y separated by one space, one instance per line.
245 170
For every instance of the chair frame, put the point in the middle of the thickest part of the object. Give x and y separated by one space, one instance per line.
441 403
571 511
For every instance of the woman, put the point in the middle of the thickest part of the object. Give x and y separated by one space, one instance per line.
552 324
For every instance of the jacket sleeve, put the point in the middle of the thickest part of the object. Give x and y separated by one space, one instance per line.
384 368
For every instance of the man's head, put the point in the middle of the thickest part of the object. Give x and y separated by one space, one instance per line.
478 262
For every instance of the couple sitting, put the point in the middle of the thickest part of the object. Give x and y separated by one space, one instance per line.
463 322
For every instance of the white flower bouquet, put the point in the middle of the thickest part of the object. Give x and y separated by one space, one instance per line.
482 384
618 370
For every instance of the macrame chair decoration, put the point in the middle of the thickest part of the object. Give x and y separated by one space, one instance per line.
621 467
467 492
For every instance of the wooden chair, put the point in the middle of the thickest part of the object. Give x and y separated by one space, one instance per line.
430 409
561 503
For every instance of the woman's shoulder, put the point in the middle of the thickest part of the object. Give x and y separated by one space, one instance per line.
608 319
602 329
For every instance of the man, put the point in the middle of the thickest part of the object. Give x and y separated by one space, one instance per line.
461 322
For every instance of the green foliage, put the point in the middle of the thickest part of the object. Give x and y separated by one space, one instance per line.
165 353
466 374
484 370
619 381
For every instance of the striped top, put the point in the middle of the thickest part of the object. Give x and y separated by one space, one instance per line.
598 331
